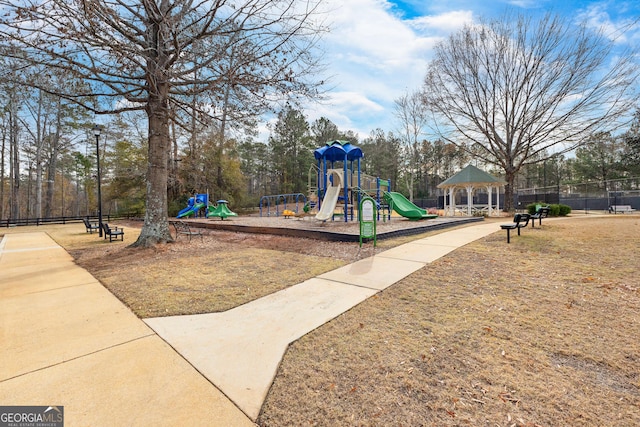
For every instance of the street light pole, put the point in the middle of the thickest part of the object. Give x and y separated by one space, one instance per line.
96 131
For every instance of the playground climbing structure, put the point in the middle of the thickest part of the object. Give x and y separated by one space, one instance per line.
340 185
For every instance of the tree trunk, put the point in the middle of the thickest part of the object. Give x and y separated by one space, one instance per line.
51 178
53 163
156 226
2 172
510 178
39 172
39 143
14 162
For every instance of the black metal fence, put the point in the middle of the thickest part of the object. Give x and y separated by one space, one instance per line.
19 222
577 201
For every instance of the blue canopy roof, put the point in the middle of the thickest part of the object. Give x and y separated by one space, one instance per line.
335 151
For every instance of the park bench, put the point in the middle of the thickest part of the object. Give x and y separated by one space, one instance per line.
90 226
519 221
541 212
182 227
620 208
113 233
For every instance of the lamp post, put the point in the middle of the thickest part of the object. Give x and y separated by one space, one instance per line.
96 131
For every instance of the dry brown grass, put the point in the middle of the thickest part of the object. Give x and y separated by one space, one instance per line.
543 331
205 280
218 272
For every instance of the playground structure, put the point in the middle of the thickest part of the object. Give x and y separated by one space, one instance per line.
336 185
220 210
281 202
405 207
194 205
343 188
200 202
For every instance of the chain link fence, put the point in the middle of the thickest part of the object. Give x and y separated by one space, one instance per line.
586 196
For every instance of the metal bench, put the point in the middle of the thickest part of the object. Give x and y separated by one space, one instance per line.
519 221
90 226
113 233
542 212
620 208
182 227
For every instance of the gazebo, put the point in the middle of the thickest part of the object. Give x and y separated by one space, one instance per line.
471 178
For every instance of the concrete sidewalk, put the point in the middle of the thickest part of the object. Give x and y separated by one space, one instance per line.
66 341
240 350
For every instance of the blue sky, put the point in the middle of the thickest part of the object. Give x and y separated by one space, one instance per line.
378 49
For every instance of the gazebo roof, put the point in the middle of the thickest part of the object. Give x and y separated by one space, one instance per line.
471 175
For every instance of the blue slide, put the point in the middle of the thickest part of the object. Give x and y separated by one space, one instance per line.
193 206
190 210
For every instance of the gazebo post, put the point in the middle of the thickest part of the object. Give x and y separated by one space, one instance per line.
452 201
447 196
490 191
469 198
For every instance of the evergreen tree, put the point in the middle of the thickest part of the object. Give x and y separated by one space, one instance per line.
291 150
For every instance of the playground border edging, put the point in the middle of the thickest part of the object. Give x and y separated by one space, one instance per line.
330 235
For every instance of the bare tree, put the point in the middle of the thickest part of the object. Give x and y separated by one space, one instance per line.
412 116
518 88
147 55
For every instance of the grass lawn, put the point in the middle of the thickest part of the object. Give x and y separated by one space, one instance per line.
541 332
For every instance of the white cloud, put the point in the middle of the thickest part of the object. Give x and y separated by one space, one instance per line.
347 110
366 32
616 20
597 17
526 4
373 57
446 22
354 101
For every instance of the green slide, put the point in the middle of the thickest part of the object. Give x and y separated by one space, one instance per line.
404 207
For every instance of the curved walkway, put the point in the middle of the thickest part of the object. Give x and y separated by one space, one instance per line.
240 350
67 341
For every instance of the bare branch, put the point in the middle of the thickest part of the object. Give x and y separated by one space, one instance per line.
520 89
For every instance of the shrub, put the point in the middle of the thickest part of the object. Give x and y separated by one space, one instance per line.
554 209
564 210
531 208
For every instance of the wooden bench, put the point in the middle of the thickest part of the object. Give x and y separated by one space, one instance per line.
113 233
90 226
620 208
542 212
519 221
182 227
